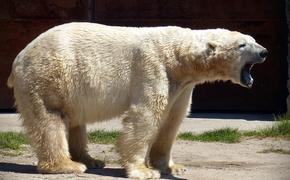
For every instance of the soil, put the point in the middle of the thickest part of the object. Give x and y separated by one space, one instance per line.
205 161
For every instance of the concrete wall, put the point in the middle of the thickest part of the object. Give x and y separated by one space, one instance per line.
288 57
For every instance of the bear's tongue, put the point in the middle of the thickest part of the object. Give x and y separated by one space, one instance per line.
246 78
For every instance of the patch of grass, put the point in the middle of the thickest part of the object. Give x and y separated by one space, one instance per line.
273 150
12 140
9 152
281 129
103 137
253 133
227 135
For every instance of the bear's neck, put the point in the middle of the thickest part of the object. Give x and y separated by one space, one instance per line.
183 66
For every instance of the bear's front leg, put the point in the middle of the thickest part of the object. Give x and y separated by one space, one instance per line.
160 153
140 128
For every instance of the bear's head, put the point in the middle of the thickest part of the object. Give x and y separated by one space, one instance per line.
231 55
234 54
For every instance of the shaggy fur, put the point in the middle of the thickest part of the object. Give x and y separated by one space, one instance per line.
79 73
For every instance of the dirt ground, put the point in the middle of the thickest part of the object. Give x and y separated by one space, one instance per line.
205 161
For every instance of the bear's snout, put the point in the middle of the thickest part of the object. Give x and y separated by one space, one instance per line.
263 54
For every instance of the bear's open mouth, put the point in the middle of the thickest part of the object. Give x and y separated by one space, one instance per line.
246 78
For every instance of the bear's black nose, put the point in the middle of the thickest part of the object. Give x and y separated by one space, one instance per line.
263 53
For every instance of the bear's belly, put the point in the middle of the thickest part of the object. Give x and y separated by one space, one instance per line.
99 104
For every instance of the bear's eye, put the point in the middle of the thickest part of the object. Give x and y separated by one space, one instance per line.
242 45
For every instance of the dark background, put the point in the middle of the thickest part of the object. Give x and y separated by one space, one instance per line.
23 20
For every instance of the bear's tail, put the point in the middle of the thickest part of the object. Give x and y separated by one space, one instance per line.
10 81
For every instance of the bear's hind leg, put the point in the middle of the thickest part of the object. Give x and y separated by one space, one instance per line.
49 138
47 132
78 147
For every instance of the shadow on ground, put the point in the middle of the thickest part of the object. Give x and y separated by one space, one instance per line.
119 172
18 168
111 172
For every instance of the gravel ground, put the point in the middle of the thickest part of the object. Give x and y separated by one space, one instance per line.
205 161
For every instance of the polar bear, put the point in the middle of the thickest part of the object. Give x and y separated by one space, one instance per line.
80 73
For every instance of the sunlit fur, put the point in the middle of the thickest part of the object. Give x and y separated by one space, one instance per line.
80 73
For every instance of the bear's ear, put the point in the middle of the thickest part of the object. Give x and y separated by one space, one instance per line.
211 47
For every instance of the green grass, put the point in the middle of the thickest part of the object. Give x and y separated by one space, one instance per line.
281 129
103 137
12 140
226 135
